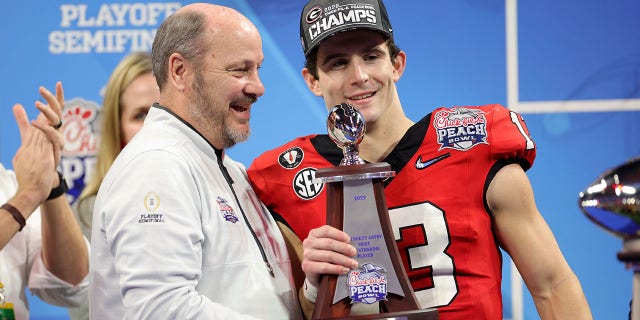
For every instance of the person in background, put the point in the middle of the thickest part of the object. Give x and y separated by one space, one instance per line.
41 245
460 193
177 231
129 93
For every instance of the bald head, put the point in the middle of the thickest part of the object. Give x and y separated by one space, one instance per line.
188 29
206 60
219 15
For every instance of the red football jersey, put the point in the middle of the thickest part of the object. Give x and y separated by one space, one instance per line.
436 201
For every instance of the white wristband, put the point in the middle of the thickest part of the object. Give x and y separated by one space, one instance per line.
310 291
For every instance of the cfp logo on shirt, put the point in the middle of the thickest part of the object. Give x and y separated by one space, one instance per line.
303 184
151 203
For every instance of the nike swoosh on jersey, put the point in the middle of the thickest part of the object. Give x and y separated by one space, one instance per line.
423 164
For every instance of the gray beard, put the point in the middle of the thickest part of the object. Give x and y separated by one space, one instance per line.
203 112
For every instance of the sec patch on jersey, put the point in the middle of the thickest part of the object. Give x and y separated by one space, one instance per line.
304 185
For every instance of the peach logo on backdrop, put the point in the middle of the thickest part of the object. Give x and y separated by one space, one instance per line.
81 132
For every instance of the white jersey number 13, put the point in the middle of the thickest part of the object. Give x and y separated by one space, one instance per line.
423 248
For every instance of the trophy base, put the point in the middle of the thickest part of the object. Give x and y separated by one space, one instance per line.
425 314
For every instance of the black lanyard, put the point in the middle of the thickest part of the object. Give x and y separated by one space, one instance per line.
227 177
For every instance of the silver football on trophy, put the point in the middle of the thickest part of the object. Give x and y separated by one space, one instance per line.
613 200
346 128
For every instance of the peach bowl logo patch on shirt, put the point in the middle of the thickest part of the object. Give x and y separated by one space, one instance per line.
460 128
226 210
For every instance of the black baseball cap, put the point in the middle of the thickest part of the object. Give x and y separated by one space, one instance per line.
321 19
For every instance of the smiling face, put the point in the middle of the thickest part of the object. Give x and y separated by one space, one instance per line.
355 67
135 101
225 83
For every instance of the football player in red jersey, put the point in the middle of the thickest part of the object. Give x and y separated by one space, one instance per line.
460 192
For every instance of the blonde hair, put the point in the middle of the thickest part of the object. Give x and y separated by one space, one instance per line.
130 67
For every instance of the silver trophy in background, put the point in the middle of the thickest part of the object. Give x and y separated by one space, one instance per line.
612 201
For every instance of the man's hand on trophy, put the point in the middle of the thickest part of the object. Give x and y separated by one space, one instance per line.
327 250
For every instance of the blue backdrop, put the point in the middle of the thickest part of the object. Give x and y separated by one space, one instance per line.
576 81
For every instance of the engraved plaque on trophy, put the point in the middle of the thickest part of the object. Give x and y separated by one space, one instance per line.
357 205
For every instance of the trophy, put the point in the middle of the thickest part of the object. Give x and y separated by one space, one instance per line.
356 204
612 201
